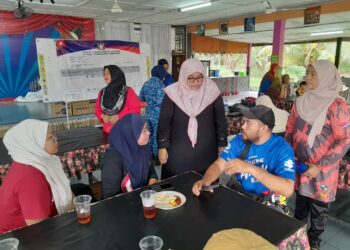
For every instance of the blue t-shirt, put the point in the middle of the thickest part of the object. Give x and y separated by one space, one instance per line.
275 156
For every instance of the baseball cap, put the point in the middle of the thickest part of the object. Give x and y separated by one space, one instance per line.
261 113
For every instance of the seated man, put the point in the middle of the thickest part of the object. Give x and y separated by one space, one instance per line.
267 166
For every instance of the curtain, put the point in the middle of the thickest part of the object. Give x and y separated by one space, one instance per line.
10 25
158 36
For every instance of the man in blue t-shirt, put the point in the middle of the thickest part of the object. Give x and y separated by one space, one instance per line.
267 166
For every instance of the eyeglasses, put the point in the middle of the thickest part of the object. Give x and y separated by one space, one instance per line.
197 79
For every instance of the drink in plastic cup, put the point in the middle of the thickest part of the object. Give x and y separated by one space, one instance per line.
151 242
148 203
9 244
82 206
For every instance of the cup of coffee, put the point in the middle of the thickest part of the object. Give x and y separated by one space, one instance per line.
148 203
82 205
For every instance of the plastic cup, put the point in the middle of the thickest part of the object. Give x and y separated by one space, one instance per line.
151 242
148 203
9 244
82 205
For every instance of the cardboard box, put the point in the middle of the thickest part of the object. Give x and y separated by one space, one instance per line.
83 107
58 109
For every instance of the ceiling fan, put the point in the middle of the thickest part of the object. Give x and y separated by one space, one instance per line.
21 11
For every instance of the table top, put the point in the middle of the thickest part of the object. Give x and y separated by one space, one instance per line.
118 223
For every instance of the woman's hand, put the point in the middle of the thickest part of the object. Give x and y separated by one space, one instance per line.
220 149
163 156
152 181
113 119
312 171
105 118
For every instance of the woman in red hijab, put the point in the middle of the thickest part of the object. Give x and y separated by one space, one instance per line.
266 81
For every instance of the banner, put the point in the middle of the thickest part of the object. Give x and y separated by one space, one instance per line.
73 70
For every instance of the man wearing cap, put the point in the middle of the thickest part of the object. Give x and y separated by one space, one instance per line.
168 79
268 164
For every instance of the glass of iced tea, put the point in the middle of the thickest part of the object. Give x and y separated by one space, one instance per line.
148 203
82 207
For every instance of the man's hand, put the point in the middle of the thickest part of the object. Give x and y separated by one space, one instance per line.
113 119
105 118
163 156
197 187
152 181
237 166
312 171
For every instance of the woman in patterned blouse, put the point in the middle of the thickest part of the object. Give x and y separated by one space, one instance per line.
319 131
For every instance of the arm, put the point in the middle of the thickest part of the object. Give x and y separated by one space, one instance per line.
165 120
35 199
275 183
290 125
340 122
112 174
98 110
153 178
132 105
211 175
220 122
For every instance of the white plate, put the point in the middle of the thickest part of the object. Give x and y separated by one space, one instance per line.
164 203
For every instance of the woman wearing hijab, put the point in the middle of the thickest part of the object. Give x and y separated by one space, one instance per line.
319 131
281 116
168 78
192 123
36 187
269 80
126 164
152 92
116 99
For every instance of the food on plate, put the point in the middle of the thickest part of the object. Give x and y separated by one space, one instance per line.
171 199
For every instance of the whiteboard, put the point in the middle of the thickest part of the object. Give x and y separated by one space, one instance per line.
72 70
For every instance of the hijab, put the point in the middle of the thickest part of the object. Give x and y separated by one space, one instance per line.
281 116
25 143
159 72
114 94
314 104
123 139
163 61
192 102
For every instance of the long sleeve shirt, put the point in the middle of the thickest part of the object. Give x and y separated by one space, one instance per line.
329 148
132 105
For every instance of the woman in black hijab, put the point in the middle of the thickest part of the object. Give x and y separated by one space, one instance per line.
116 99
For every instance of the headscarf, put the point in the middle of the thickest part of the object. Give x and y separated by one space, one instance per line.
159 72
163 61
271 74
314 104
192 102
25 143
281 116
114 94
123 138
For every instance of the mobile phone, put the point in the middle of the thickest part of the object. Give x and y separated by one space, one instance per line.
166 186
210 187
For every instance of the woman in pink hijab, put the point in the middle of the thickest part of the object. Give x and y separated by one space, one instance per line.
319 131
192 123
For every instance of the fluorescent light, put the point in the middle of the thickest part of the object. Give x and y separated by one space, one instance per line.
327 33
196 6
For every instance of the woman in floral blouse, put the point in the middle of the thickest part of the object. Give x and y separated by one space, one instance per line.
319 131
